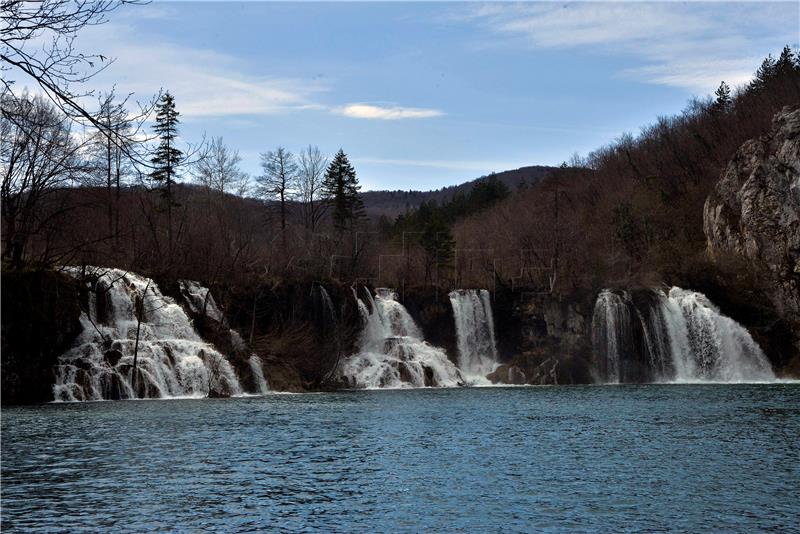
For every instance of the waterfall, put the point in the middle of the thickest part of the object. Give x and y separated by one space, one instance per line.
611 332
171 360
200 300
715 347
328 303
391 351
680 336
472 312
258 374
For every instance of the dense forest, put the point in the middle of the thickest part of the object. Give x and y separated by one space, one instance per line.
631 212
623 214
286 251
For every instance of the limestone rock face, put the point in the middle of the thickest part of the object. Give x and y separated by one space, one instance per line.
753 214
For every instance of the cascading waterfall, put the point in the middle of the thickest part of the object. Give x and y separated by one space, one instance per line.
328 303
715 347
657 341
611 332
680 336
257 367
200 300
477 350
392 353
171 359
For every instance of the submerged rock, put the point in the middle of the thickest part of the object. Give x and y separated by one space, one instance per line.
507 374
113 357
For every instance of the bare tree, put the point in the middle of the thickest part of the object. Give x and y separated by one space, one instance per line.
278 181
312 165
38 43
218 169
40 156
140 312
113 161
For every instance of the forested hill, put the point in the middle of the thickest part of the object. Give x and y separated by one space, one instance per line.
393 203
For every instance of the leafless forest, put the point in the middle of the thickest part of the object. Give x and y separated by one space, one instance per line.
91 187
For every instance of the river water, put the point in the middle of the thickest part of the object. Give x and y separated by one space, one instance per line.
561 459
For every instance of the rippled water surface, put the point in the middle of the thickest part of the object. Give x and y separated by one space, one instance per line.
571 459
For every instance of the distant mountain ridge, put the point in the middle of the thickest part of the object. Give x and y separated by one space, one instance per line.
393 203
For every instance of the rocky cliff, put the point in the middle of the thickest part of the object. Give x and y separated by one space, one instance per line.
40 313
543 339
753 218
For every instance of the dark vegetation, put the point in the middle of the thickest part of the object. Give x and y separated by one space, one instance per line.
629 214
393 203
40 312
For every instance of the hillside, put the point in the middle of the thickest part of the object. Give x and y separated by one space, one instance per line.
393 203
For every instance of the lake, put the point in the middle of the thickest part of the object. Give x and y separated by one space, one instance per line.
561 459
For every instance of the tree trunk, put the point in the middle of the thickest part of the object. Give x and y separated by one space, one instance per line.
116 199
283 217
139 317
109 185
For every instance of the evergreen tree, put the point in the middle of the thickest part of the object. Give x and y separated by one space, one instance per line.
439 246
765 73
786 63
167 157
723 101
342 190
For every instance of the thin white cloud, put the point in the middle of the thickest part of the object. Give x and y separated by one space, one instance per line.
697 74
691 45
389 113
207 83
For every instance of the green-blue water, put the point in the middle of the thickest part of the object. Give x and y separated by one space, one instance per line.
722 458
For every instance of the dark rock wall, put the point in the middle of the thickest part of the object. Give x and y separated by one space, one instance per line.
431 309
40 320
546 337
289 326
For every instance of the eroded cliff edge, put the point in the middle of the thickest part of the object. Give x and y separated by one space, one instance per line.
752 226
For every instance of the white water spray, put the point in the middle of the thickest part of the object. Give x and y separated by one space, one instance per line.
685 339
258 374
477 350
171 359
611 332
392 353
712 347
200 300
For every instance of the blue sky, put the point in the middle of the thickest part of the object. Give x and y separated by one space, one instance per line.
424 95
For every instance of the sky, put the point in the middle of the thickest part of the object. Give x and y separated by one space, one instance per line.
425 95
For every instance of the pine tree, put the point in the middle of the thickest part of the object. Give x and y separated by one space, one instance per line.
167 158
439 246
723 101
342 190
786 62
765 73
